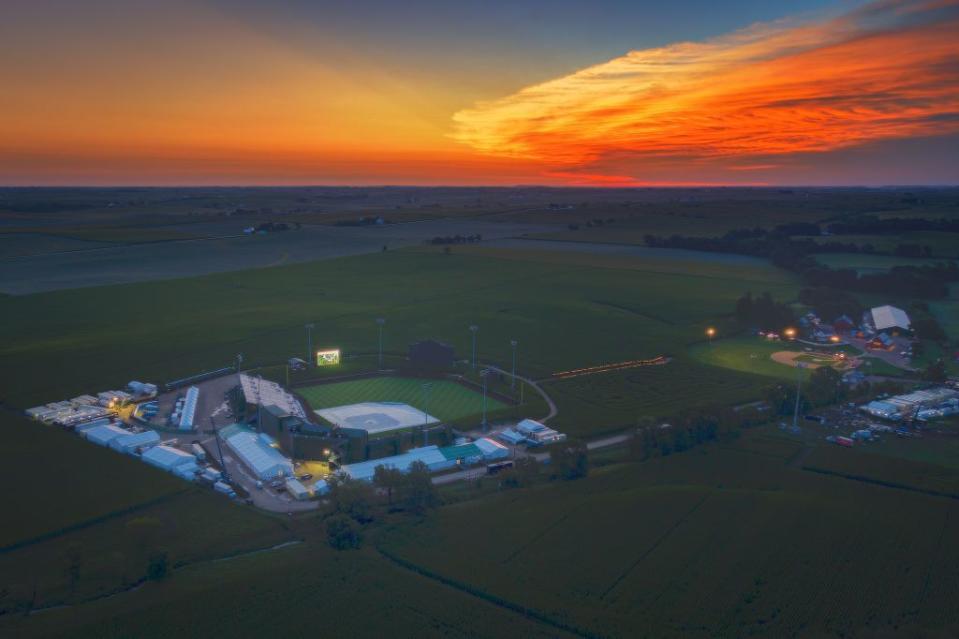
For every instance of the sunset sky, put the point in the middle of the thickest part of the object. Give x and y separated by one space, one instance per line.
557 92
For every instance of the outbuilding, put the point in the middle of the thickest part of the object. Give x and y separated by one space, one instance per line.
168 458
131 442
258 452
104 434
889 318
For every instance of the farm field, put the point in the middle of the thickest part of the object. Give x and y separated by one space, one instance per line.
448 400
113 553
712 542
292 591
260 313
108 483
131 260
596 404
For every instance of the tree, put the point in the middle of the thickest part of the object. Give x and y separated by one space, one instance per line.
417 492
157 565
387 479
353 498
825 386
343 533
569 459
928 328
680 440
935 372
525 471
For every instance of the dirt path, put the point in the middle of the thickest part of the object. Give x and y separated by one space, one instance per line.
549 400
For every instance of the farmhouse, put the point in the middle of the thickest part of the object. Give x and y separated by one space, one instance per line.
881 342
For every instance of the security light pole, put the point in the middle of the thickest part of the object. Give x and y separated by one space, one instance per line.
512 382
379 322
239 361
309 342
473 329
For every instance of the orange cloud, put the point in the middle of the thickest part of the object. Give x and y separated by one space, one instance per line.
889 70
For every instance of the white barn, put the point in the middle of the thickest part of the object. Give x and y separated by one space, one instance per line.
887 317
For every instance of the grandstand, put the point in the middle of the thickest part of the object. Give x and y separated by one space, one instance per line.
260 392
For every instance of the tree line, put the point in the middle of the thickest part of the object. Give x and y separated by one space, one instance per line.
928 281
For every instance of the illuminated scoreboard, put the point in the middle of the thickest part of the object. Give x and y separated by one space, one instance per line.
329 357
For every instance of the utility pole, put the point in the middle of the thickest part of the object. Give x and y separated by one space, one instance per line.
512 382
473 329
379 322
309 342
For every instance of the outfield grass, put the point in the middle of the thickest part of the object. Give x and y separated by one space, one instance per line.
448 400
748 354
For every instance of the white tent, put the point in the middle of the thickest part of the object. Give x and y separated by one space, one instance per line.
887 317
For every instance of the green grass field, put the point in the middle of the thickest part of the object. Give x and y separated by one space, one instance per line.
746 354
448 400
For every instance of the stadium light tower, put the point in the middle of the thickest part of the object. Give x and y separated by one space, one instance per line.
380 321
512 383
309 342
427 387
473 329
799 368
484 374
